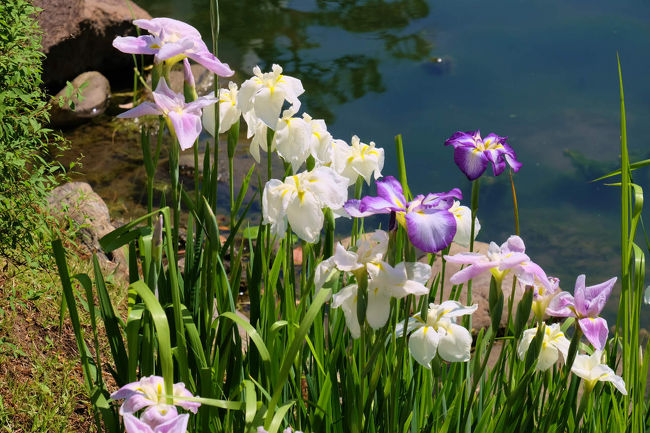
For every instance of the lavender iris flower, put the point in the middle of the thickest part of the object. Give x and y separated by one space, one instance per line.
473 153
170 41
183 119
429 223
586 304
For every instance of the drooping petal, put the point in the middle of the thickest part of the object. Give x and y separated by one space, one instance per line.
423 345
378 309
455 344
187 128
451 309
595 298
417 271
347 300
330 188
345 260
268 105
173 49
472 162
431 230
471 271
210 62
181 391
306 217
595 330
144 109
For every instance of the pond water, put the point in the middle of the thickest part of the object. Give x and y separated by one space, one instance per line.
543 73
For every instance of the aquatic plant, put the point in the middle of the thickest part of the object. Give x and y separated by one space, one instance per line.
343 339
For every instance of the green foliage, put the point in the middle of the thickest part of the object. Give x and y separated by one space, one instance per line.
26 173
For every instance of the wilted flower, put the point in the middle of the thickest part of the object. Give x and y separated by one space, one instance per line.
554 342
592 370
472 153
463 216
184 120
265 94
358 159
171 41
149 393
440 334
300 200
228 111
585 304
429 223
499 261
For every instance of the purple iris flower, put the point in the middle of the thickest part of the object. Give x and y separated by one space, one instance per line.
183 119
585 304
171 40
175 424
473 153
429 224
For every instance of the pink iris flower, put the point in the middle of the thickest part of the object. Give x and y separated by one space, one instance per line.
171 40
472 153
429 223
585 304
184 119
499 260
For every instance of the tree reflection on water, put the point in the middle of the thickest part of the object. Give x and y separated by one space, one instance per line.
264 32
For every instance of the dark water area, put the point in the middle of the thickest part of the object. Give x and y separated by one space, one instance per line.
543 73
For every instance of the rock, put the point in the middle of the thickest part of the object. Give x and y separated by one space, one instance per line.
78 36
88 212
95 96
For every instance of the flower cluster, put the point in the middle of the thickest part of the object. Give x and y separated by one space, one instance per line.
158 416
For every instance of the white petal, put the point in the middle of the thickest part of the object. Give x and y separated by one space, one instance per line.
423 345
347 300
330 188
378 309
306 217
267 105
455 344
345 260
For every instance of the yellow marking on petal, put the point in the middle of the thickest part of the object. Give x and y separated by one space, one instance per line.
424 330
154 46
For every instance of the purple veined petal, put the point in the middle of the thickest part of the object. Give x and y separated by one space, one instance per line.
134 403
471 161
352 208
135 45
595 298
496 159
431 230
391 190
472 271
528 271
173 49
134 425
175 425
442 200
188 76
377 205
580 300
210 62
595 330
187 128
144 109
562 305
462 139
510 159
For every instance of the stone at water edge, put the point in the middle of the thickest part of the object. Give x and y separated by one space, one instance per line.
87 210
95 95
